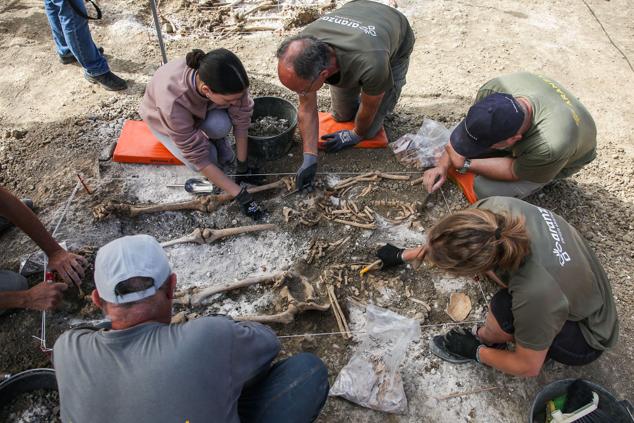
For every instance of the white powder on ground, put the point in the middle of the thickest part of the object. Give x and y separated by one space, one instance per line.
233 259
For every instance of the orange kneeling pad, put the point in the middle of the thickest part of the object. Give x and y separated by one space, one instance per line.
464 182
137 144
328 125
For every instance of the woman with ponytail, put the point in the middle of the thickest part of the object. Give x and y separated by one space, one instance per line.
555 299
191 104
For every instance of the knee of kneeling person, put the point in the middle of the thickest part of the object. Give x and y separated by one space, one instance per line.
313 365
217 124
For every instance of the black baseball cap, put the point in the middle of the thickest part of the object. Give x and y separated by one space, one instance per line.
493 119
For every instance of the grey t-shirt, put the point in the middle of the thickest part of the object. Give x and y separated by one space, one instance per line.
560 280
368 38
160 373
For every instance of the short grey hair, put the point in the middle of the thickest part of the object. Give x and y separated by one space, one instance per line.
313 58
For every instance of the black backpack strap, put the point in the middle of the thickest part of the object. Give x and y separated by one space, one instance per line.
81 12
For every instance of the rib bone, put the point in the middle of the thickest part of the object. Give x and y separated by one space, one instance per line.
206 235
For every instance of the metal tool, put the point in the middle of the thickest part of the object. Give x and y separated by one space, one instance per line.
195 186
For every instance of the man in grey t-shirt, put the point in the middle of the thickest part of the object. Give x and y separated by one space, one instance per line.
146 370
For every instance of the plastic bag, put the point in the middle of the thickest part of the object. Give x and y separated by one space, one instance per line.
423 149
371 378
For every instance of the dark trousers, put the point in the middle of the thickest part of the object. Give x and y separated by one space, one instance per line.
569 346
292 390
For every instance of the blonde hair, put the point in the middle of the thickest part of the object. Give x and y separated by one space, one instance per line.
474 241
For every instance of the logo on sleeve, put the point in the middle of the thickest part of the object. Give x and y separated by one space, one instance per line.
351 23
555 233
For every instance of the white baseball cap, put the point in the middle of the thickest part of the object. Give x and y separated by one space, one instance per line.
129 257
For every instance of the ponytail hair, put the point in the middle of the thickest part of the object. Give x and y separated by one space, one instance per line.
220 70
474 241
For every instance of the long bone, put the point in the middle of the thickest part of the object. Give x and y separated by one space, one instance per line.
276 277
294 306
207 203
208 236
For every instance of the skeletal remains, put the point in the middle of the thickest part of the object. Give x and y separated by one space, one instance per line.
203 203
296 293
208 236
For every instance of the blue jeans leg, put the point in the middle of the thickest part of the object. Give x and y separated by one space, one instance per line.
293 390
72 35
10 281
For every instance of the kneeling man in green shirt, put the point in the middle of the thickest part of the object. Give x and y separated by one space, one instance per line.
555 299
361 51
524 131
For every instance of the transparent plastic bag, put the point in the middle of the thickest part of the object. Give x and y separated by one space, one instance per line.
372 378
423 149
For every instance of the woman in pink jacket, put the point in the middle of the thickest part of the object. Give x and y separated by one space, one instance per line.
192 104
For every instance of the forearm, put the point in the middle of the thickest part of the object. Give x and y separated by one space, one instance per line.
366 113
444 161
507 361
13 299
242 143
364 119
217 177
22 217
309 123
496 168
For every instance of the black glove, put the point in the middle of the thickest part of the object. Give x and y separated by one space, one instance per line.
245 174
390 255
248 206
462 342
306 173
339 140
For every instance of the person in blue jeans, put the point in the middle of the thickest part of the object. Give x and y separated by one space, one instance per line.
145 369
73 42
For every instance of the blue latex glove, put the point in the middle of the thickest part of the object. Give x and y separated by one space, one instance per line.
306 173
339 140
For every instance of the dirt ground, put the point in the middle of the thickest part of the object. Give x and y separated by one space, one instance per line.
54 124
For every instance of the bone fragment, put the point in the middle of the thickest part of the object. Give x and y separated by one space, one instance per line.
206 235
393 177
287 316
339 316
421 302
417 181
208 292
356 224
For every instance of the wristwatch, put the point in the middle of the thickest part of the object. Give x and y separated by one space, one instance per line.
465 167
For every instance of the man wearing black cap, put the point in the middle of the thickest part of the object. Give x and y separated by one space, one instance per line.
524 131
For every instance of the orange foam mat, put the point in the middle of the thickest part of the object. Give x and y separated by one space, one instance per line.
328 125
464 182
137 144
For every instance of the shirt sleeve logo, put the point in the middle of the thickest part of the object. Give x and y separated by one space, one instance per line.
555 233
351 23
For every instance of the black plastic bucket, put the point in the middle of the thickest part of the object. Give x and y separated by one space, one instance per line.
27 381
275 146
617 410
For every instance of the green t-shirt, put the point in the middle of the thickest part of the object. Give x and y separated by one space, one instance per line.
560 280
562 137
368 38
